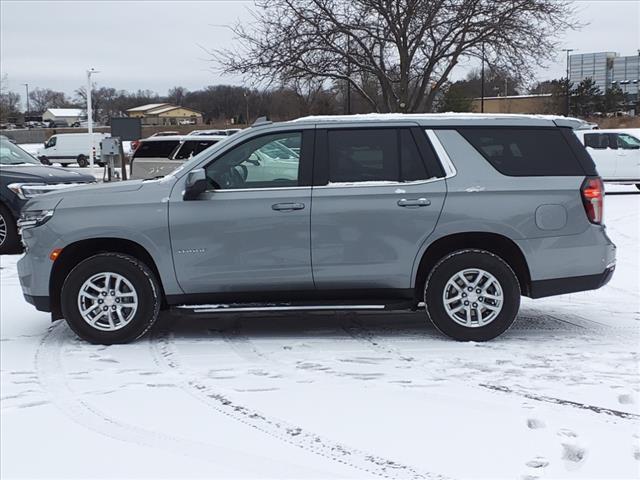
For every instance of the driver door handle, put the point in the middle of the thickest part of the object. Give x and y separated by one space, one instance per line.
414 202
287 207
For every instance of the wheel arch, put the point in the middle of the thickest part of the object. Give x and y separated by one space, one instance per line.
78 251
495 243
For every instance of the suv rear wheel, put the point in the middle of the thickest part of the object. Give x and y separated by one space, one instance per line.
110 298
472 295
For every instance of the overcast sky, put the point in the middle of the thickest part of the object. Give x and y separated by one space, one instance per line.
157 45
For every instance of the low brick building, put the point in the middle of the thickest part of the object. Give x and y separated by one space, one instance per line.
165 114
541 103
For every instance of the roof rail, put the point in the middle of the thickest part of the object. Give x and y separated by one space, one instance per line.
261 121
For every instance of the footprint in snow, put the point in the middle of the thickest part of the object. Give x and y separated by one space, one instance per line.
626 399
534 423
535 468
572 452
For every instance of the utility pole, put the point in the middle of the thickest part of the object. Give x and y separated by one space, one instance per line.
568 92
28 109
246 104
90 72
348 109
482 82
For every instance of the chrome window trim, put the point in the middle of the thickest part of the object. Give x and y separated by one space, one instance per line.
373 185
222 190
443 156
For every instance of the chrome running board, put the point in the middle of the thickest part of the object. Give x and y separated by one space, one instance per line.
217 308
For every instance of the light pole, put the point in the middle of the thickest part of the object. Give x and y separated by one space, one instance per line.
482 82
568 92
27 87
90 72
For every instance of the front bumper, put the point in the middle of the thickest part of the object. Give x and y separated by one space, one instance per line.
560 286
40 302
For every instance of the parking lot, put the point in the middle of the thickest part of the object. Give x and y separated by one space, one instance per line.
335 394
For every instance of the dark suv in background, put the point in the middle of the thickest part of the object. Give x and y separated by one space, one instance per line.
21 178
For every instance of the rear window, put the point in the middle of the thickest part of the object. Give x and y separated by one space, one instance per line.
193 147
525 151
156 149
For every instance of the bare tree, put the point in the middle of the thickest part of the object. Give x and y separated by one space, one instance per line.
408 47
9 101
176 95
43 98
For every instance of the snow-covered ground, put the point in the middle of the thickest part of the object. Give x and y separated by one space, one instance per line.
337 395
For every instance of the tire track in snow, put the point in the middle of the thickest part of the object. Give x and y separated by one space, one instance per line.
167 359
559 401
54 382
359 331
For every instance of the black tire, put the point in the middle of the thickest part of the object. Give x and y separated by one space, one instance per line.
83 162
44 160
455 262
133 270
10 240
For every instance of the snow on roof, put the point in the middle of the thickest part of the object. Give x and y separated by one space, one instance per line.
390 117
148 106
166 108
65 112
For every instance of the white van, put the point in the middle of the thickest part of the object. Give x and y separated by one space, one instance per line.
616 153
67 148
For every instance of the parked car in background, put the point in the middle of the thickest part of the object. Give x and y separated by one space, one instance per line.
67 148
167 133
158 156
225 131
616 153
22 177
462 213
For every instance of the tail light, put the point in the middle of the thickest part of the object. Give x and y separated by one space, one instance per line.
592 192
134 145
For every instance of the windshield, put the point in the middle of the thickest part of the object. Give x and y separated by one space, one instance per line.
11 154
628 142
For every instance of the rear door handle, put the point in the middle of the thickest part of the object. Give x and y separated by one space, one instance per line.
414 202
286 207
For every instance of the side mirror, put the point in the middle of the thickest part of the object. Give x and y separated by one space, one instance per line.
196 184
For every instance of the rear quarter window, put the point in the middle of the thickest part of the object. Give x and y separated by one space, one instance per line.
525 151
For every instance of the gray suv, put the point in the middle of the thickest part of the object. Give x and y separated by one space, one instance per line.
460 213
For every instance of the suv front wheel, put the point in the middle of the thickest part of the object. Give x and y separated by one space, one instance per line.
110 298
472 295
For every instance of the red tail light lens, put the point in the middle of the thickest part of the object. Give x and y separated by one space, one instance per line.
592 191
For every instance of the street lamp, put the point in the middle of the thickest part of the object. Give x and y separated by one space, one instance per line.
568 92
27 87
90 72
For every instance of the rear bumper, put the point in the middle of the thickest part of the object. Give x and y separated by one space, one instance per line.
559 286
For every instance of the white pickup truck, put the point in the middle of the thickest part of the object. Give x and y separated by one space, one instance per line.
616 153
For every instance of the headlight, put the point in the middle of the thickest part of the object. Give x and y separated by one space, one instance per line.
34 218
25 191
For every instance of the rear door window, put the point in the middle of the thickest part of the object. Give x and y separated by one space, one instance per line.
156 149
525 151
374 155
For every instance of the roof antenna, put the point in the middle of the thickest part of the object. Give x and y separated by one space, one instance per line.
261 121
